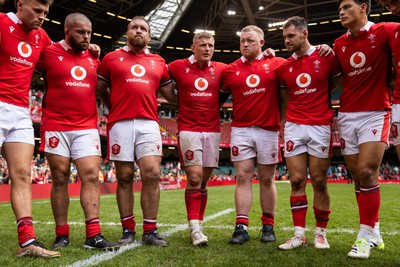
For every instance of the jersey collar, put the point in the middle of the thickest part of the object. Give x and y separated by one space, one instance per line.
127 49
192 60
365 28
259 57
308 52
14 18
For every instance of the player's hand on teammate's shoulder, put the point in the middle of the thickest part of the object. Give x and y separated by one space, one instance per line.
324 50
95 50
269 52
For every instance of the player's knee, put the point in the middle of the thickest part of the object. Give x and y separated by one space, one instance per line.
125 178
296 183
320 184
366 175
195 181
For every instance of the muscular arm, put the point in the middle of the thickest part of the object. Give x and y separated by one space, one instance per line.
167 91
103 93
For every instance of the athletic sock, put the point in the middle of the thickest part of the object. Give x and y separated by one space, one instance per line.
92 227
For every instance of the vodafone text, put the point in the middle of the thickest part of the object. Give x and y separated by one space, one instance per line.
21 61
254 91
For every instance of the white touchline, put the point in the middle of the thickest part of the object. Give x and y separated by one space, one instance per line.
96 259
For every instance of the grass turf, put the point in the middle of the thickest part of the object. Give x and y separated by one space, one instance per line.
342 230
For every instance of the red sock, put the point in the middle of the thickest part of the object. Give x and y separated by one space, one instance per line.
92 227
370 200
242 219
321 217
128 222
149 225
267 219
299 207
193 203
62 230
25 230
204 198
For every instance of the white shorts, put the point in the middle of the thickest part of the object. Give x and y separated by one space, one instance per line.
254 142
129 140
72 144
396 113
356 128
15 125
199 148
314 140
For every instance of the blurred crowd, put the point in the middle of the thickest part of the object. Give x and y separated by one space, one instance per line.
172 172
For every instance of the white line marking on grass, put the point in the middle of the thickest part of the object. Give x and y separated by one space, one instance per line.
229 227
96 259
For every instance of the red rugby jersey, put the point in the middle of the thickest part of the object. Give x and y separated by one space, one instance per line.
307 80
134 80
69 102
19 52
365 62
198 91
255 90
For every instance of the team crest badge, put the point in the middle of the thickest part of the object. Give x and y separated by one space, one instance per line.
53 142
116 149
235 151
289 146
395 131
189 155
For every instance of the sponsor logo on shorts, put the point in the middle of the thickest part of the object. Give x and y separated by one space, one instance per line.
189 155
78 73
357 60
235 151
323 148
115 149
342 143
374 131
273 155
158 147
97 147
395 131
303 80
253 80
53 142
289 146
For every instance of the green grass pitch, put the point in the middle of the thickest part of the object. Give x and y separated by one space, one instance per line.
218 226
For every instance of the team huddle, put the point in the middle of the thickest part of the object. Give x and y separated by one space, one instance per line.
267 91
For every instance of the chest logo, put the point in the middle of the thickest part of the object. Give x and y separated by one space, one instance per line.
78 73
201 84
24 49
253 80
138 70
357 60
303 80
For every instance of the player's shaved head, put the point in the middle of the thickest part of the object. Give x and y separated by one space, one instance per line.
73 18
44 2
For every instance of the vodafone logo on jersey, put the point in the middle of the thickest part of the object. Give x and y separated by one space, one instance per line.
253 80
138 70
78 73
357 60
201 84
24 49
303 80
